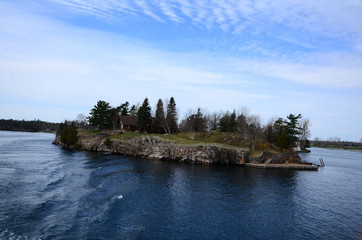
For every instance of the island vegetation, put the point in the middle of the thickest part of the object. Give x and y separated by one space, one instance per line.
231 128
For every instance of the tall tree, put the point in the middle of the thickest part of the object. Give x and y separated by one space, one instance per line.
194 123
100 115
114 113
133 110
293 127
242 125
254 129
160 117
81 121
124 109
213 121
171 116
228 122
144 116
304 126
224 123
288 132
232 121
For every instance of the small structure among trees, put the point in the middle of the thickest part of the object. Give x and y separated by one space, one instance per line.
128 123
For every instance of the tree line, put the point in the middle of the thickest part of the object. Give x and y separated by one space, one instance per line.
285 133
27 126
104 116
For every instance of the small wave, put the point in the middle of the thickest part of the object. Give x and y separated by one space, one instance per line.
135 228
120 196
12 236
54 184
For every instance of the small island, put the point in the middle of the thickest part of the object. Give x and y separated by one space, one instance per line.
199 138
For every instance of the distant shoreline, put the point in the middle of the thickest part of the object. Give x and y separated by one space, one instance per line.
27 126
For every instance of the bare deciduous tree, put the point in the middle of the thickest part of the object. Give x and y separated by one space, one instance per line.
81 121
254 131
212 120
304 126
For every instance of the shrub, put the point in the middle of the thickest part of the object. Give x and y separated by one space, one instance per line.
108 142
68 133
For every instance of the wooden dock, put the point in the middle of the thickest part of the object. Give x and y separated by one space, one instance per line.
284 166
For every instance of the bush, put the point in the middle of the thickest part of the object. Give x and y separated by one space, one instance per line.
68 133
108 142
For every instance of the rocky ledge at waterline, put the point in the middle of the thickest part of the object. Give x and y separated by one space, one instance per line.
153 147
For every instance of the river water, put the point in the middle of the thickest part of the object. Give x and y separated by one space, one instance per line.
47 192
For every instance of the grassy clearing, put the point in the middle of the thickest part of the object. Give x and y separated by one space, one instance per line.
183 138
226 140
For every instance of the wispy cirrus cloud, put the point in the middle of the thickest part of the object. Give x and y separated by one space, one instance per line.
337 19
48 58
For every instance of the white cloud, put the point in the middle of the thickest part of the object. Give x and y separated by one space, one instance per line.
168 9
54 66
334 19
334 70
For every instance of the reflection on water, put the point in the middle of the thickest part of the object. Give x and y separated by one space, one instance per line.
51 193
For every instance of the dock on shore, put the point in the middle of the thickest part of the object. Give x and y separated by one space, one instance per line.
284 166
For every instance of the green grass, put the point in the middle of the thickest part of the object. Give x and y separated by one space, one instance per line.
214 138
221 139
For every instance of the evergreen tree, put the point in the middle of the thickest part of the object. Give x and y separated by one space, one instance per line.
294 130
287 132
68 133
160 117
124 109
133 110
100 115
199 121
228 122
171 116
232 127
144 116
224 123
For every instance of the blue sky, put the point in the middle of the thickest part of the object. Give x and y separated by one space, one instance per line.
58 57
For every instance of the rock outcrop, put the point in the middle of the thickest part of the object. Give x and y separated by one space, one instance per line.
153 147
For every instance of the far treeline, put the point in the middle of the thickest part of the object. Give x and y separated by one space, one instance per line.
290 133
336 143
27 126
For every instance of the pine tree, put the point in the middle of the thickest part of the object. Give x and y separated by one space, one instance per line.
124 111
171 116
100 115
224 123
133 111
228 122
287 132
160 117
232 127
144 116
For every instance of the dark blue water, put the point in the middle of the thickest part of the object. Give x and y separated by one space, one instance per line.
47 192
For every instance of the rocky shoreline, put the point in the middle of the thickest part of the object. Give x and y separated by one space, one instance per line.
153 147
